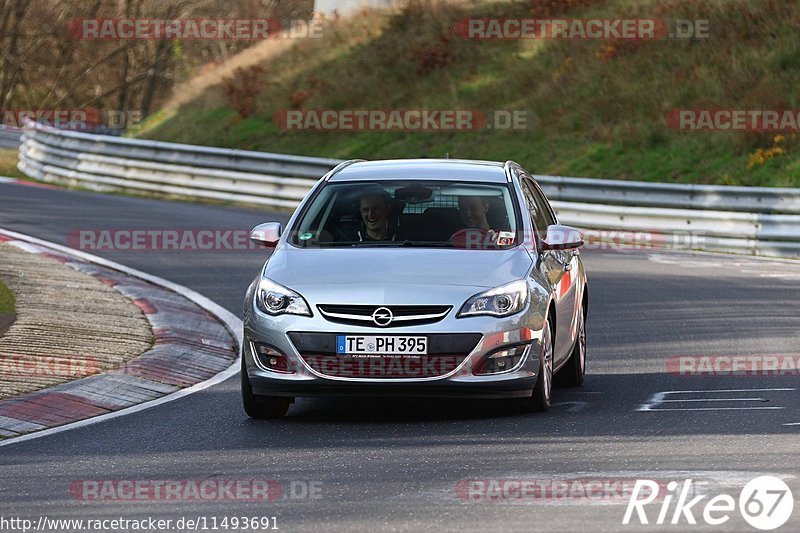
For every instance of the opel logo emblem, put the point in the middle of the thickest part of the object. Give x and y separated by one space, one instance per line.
382 316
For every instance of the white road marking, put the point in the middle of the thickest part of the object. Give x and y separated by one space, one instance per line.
713 409
663 398
749 265
730 390
230 321
792 424
717 400
774 275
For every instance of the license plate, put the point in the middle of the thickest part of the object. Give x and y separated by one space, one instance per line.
381 345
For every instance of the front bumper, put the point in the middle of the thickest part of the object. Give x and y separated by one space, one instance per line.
518 387
491 333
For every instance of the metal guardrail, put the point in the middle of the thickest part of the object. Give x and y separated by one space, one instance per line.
671 195
717 231
759 221
114 163
9 137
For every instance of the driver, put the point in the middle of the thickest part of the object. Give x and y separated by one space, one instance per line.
472 210
375 207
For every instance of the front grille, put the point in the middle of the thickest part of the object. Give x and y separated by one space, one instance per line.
402 315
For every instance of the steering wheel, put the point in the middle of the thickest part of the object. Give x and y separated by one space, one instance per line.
474 238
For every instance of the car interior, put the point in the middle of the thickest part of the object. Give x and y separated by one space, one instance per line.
434 219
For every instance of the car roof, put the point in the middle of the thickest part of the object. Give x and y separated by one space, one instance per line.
422 169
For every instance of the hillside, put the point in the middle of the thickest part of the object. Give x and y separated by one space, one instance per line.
595 108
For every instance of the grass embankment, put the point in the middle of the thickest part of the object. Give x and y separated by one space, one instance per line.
596 108
7 300
8 163
7 308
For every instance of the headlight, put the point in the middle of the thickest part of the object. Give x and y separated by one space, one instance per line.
500 301
275 299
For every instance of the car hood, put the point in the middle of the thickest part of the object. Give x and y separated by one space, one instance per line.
394 270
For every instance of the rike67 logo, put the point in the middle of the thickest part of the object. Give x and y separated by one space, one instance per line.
766 503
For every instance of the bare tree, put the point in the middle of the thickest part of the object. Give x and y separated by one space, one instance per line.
43 63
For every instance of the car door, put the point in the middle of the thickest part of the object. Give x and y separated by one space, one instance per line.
558 267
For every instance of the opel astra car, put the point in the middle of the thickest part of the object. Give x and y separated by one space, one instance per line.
421 278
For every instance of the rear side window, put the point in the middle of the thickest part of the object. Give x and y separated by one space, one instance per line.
538 207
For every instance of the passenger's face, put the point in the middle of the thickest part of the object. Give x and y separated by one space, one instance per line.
473 211
374 212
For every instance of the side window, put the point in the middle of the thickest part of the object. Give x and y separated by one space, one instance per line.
538 208
541 201
530 200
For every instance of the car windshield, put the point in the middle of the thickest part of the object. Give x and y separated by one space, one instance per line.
409 213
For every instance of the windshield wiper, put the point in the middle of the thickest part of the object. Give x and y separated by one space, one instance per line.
427 244
405 243
381 244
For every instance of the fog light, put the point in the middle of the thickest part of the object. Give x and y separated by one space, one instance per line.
272 359
501 360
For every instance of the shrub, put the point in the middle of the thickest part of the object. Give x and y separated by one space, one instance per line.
242 89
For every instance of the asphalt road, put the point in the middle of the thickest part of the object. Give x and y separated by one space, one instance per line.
395 465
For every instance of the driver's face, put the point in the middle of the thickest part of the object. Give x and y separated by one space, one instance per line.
374 212
473 211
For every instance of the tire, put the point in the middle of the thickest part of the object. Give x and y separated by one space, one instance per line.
574 372
542 391
257 406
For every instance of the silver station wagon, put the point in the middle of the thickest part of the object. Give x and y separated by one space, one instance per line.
421 278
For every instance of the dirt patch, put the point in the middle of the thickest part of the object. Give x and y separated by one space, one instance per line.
6 319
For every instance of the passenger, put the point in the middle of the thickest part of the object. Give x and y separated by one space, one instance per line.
375 207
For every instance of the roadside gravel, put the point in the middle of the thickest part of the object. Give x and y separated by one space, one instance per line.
69 324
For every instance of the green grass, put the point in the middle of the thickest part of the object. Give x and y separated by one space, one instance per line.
592 112
8 163
7 300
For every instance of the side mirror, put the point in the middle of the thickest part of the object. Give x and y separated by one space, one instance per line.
562 238
266 234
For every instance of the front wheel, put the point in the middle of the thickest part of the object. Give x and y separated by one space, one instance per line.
540 399
258 406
